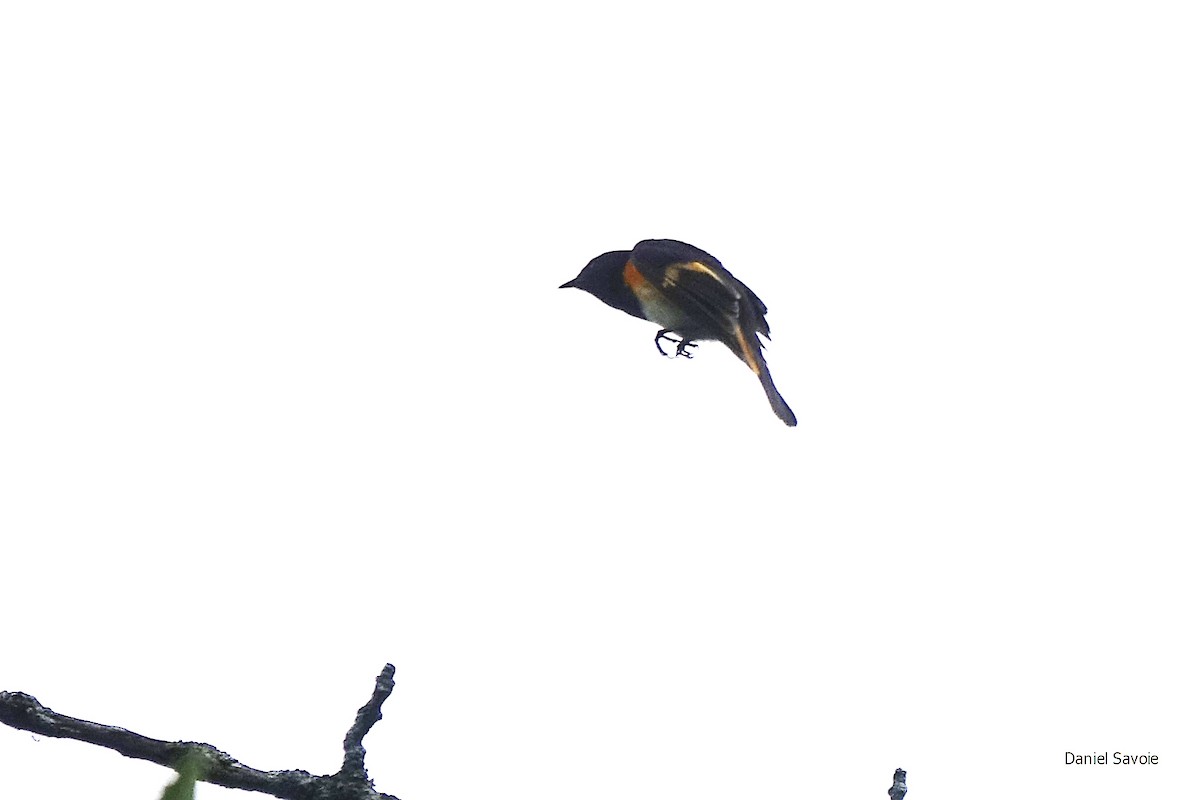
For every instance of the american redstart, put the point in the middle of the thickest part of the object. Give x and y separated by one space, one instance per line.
687 292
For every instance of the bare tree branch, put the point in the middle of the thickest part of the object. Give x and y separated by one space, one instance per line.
24 712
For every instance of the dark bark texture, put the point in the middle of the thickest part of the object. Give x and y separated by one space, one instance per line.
24 712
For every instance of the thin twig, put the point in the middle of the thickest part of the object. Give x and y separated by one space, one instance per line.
354 764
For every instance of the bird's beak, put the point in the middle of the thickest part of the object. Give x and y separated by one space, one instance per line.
568 285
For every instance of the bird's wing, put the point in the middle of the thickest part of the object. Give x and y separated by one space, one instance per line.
698 284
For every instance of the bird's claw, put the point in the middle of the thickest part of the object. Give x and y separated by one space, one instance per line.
663 335
681 345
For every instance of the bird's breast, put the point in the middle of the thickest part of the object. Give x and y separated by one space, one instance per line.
655 305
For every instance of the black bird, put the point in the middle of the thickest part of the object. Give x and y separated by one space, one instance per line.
689 294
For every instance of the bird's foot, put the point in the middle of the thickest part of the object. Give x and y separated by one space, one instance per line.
663 334
681 344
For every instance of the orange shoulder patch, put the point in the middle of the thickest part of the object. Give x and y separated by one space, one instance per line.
634 279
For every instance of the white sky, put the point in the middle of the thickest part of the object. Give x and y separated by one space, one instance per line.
289 392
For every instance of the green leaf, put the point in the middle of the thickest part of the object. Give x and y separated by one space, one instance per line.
190 769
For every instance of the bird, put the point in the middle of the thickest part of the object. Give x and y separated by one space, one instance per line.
691 297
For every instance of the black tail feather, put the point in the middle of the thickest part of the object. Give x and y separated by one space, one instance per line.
778 404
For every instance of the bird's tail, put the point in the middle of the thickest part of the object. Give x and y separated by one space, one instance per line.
778 404
750 351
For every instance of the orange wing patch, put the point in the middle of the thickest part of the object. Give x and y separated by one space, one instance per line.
673 272
748 354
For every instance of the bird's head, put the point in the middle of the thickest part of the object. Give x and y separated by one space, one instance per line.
603 278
